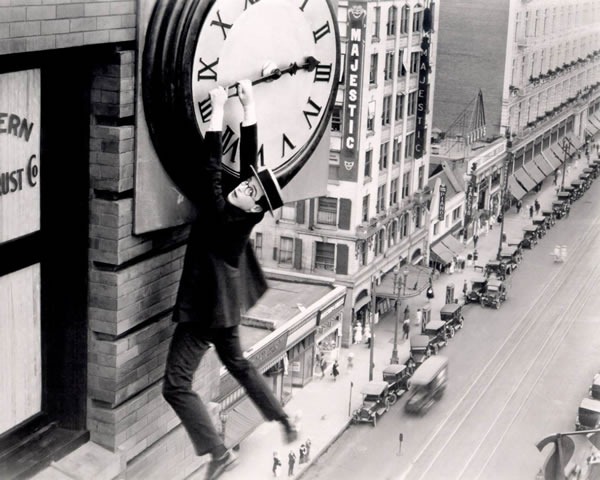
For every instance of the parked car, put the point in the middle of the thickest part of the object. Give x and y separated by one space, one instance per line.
427 384
588 414
478 286
495 294
420 349
530 236
560 208
511 259
438 333
375 402
451 315
495 268
397 377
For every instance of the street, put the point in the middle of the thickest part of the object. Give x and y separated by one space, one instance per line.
516 375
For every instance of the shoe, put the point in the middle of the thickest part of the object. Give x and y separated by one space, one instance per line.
219 465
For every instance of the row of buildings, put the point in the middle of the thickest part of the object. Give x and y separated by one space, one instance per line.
461 107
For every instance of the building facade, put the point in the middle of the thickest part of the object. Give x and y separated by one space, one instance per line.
374 216
536 62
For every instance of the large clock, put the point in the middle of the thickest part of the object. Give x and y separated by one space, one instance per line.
289 49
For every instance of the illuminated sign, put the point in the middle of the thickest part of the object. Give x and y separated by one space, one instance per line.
421 119
357 16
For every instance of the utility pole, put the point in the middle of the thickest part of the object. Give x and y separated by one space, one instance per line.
372 327
507 159
395 358
566 149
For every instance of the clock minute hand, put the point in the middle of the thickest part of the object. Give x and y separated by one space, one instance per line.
310 63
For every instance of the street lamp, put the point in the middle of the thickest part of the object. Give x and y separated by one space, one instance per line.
503 193
372 328
566 149
395 358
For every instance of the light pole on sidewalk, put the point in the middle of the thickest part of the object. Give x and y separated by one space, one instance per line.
395 359
504 191
372 327
566 150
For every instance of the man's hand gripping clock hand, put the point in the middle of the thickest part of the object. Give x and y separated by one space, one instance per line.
218 97
246 96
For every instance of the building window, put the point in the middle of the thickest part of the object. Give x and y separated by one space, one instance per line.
327 211
421 175
383 156
436 228
456 214
394 191
376 22
258 244
386 114
286 250
404 19
336 118
380 207
406 184
396 151
365 208
391 25
371 116
388 71
379 242
410 146
417 217
288 212
414 62
412 103
399 106
404 219
373 71
368 163
325 256
401 67
417 21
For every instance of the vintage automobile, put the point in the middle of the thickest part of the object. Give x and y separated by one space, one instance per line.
530 237
560 208
478 286
495 268
420 349
586 178
438 333
495 294
397 377
375 402
550 216
578 188
541 223
511 258
427 384
588 414
451 315
565 196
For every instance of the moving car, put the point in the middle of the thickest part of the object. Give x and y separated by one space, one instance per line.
427 384
588 414
375 402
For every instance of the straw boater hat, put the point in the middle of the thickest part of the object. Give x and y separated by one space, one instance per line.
270 185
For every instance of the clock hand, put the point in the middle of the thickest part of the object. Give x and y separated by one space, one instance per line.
310 63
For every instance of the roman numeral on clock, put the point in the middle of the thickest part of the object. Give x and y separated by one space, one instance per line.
205 109
230 142
286 141
316 109
303 5
323 72
260 155
224 26
321 32
207 67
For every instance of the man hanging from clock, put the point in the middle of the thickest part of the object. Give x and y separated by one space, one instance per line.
221 277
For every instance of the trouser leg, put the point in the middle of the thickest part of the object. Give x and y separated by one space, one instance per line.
227 343
185 353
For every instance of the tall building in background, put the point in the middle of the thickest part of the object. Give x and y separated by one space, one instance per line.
536 65
374 218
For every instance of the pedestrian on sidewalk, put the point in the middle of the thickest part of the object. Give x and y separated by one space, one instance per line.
212 315
405 328
335 370
276 464
555 181
530 211
465 288
429 293
451 267
358 332
291 463
368 335
407 313
537 206
350 361
419 318
475 240
307 444
323 366
520 204
302 452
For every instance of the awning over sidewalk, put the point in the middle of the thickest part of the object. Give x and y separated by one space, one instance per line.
524 179
574 141
543 165
534 172
441 254
515 189
453 244
241 421
551 159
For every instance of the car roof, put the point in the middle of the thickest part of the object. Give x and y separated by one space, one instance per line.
419 341
590 404
530 228
493 282
450 308
428 369
434 325
394 368
374 387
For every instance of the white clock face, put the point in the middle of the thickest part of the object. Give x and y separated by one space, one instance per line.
236 40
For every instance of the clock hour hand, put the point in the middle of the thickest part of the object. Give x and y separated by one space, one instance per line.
309 64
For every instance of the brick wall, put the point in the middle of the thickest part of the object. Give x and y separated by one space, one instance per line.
133 281
33 25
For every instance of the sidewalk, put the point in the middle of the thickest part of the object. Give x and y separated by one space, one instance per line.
326 404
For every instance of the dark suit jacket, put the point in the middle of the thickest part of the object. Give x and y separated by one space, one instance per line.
221 276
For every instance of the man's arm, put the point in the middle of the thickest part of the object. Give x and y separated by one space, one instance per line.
249 141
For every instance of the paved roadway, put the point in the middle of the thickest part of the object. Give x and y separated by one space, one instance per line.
516 375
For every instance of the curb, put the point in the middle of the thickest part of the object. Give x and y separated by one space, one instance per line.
322 451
